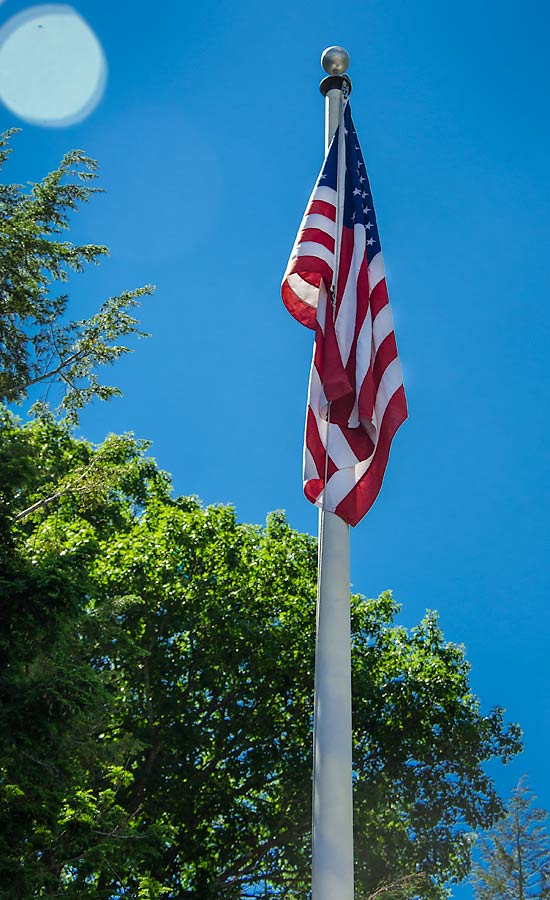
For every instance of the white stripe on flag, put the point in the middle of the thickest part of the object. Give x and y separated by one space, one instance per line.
391 380
312 248
339 450
310 469
322 223
340 485
376 271
303 289
327 194
382 326
322 306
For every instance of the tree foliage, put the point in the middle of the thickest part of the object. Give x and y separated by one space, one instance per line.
38 342
514 857
156 697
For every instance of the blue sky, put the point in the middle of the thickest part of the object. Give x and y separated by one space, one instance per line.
210 135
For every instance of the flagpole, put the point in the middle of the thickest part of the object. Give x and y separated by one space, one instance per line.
332 861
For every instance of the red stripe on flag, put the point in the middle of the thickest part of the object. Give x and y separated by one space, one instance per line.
307 266
386 354
312 489
379 298
335 380
322 208
359 442
317 236
301 311
359 500
312 270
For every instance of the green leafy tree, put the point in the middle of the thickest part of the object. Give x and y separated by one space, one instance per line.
157 698
514 857
53 700
38 342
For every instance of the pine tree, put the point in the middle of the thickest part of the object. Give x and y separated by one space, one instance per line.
515 855
40 345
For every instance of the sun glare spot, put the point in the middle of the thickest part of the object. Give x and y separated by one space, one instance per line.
52 66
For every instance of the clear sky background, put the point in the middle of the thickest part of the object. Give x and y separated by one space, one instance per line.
209 132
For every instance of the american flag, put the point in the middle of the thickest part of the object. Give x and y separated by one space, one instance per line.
356 398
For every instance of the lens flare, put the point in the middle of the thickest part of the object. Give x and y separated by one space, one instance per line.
52 66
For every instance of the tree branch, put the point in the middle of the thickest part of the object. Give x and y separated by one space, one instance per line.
399 884
66 489
51 374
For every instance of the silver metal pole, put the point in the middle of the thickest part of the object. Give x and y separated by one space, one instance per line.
332 869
